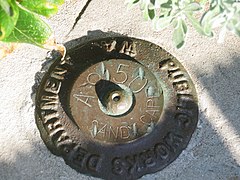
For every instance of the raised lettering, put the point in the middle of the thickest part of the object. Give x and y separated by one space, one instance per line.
161 151
58 73
185 101
118 166
130 164
133 163
148 158
183 120
175 74
49 116
66 146
93 162
109 46
55 128
49 102
129 48
52 86
63 137
173 141
80 157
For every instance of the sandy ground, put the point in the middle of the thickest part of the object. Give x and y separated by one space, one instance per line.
214 150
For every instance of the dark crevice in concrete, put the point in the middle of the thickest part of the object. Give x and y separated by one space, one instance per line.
80 15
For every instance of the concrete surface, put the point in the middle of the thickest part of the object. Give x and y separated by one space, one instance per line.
214 151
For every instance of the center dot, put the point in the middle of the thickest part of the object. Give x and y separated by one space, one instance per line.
116 97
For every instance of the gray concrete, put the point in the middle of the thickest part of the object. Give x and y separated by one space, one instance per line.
214 151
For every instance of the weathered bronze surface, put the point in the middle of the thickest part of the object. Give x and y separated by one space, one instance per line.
117 108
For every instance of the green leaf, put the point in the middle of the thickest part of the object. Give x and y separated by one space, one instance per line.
236 30
232 24
162 23
57 2
131 3
179 33
229 1
167 5
207 18
203 1
42 7
29 29
175 23
145 14
195 23
8 17
5 6
193 7
151 13
144 4
157 3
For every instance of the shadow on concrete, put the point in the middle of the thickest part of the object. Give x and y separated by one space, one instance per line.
38 164
223 86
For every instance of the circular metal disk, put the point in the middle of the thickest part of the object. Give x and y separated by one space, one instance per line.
117 108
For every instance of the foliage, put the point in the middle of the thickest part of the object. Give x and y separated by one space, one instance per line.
204 16
20 20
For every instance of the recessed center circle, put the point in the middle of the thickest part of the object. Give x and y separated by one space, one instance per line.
114 99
